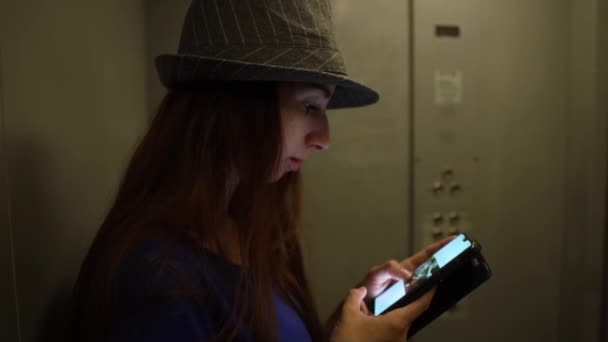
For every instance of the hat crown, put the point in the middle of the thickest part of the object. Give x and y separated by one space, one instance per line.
256 23
261 40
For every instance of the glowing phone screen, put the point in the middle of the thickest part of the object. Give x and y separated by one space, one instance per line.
401 288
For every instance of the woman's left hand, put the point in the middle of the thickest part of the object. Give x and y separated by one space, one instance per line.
381 276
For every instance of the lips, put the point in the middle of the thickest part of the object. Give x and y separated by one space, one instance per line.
295 163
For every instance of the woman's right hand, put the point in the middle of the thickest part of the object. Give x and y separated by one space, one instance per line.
357 325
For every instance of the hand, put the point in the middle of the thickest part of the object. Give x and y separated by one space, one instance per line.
380 277
376 280
358 326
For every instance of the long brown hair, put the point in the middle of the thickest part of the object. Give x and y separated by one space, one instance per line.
202 136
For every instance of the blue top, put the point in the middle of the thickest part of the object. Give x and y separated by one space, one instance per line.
202 289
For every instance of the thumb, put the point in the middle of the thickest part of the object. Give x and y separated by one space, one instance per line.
411 311
354 299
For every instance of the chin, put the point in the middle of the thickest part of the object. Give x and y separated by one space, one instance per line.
277 177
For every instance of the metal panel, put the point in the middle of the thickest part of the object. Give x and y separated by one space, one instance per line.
585 182
491 106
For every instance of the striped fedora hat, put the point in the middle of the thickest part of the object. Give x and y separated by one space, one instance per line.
262 40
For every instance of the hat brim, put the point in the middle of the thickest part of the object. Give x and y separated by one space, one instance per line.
174 70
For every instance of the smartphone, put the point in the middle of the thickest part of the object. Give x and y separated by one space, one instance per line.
456 269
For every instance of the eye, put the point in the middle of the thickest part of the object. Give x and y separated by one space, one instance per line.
310 108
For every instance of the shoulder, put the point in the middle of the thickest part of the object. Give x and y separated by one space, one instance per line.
156 266
166 289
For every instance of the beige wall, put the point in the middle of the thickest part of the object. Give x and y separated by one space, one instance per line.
74 105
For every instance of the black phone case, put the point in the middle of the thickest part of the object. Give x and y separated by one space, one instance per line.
473 272
459 278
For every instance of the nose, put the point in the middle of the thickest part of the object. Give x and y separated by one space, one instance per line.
319 137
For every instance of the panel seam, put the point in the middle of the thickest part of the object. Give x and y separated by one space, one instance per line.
412 131
8 200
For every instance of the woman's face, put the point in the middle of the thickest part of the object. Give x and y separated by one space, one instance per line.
304 121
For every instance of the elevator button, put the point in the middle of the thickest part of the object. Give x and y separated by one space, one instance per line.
437 187
454 218
437 233
447 175
437 219
455 189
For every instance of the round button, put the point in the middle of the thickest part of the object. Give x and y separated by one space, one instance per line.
454 218
437 219
436 232
455 188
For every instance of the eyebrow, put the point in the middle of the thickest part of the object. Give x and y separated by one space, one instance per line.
322 87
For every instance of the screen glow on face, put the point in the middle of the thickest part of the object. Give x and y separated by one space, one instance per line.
400 288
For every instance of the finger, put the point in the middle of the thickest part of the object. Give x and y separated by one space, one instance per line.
355 298
411 311
392 270
364 308
414 261
397 270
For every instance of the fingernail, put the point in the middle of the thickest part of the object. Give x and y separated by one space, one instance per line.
407 273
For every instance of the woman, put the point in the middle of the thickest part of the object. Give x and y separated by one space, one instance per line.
202 242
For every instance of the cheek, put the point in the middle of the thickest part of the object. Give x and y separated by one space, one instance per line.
292 134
